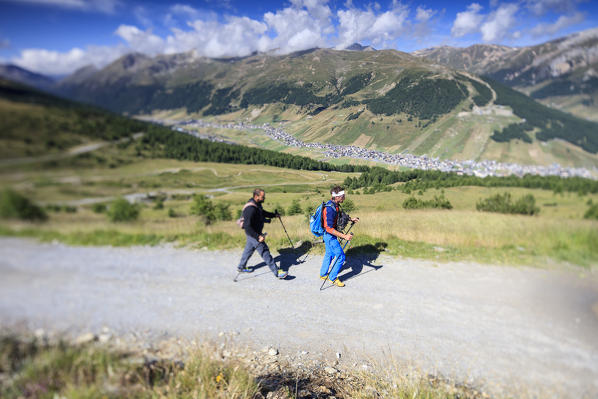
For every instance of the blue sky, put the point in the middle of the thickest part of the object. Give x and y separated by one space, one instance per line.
56 37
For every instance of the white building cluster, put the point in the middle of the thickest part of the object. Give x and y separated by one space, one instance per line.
467 167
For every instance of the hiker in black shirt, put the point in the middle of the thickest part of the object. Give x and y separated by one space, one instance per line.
254 217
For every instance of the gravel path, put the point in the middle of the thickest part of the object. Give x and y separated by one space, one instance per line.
508 329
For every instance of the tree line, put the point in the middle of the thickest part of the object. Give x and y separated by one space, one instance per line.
164 142
415 179
181 146
550 123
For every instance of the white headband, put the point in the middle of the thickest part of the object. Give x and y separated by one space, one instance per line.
339 194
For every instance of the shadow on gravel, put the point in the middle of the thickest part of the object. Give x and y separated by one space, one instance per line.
289 257
244 276
294 256
358 257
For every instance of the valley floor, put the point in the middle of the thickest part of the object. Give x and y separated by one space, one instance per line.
518 331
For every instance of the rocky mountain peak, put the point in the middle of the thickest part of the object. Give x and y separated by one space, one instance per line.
359 47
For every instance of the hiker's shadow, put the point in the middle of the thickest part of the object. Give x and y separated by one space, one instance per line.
289 257
360 256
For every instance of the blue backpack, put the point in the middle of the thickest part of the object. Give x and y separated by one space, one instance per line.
315 221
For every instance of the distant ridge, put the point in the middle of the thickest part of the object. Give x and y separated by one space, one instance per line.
17 74
359 47
561 73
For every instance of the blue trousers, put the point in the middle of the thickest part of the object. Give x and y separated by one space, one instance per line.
333 250
262 249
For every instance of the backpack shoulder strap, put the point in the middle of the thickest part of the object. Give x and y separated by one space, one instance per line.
249 203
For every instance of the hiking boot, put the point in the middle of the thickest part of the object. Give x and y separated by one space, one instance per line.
244 270
338 283
323 277
281 274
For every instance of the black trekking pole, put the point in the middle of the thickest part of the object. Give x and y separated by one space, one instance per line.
285 230
350 227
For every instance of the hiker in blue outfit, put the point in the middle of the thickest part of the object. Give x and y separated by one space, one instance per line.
254 217
330 218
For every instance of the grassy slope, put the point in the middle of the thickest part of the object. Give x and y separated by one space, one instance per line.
34 123
559 231
119 169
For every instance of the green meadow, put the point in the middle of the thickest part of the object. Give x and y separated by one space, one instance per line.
76 190
558 235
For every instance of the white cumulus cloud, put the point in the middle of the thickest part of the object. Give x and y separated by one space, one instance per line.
306 24
423 14
564 21
541 7
105 6
185 9
467 21
356 26
238 36
499 23
60 63
141 41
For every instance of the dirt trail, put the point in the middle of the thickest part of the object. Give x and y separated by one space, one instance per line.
71 152
506 328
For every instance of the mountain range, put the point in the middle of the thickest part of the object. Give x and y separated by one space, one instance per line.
431 102
562 73
22 75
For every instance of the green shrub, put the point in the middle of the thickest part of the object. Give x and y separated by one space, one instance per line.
53 208
348 205
309 209
437 202
171 213
121 210
203 206
502 203
592 212
294 208
15 205
159 204
98 208
412 203
279 208
222 211
526 205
